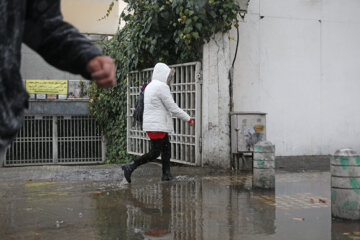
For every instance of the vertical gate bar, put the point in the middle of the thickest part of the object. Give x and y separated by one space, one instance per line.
67 139
17 143
74 138
72 135
192 107
79 139
85 139
99 144
33 144
46 137
55 140
198 115
96 138
177 97
41 139
31 139
93 136
103 149
183 105
76 134
187 82
46 140
36 141
63 134
136 145
60 134
28 142
99 137
43 144
128 112
98 132
88 137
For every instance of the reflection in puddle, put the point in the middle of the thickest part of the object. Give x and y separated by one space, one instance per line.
202 207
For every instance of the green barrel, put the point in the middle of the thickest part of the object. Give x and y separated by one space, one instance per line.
345 184
264 165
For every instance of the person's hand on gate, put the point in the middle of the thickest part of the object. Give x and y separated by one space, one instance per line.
191 122
102 70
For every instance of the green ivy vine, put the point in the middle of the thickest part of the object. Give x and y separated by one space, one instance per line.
170 31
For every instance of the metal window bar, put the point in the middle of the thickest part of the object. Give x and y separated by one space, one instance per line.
45 140
186 90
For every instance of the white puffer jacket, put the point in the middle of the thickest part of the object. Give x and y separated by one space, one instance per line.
159 105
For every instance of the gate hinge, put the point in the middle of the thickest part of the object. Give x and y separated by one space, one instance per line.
199 77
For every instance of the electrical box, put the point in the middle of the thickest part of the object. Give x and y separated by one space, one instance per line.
247 129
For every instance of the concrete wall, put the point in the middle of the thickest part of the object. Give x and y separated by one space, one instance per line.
298 61
35 67
216 103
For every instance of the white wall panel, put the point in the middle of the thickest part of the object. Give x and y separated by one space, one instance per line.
341 10
303 72
341 86
247 67
303 9
290 74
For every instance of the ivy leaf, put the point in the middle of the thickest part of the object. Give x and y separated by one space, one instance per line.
195 35
198 26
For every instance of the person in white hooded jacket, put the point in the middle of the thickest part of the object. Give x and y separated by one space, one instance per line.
159 108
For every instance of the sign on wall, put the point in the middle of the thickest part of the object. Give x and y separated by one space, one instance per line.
47 87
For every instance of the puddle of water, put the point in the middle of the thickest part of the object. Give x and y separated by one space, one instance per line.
212 206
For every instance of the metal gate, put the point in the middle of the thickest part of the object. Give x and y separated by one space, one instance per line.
176 199
57 140
186 90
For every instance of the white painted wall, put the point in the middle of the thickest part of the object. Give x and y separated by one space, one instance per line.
216 102
85 15
300 63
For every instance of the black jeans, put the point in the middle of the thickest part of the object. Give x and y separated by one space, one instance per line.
157 147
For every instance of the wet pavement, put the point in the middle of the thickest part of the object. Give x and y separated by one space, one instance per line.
96 203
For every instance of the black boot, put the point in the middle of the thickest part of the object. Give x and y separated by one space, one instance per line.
128 169
166 173
167 176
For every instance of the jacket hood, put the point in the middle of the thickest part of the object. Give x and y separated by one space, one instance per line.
161 72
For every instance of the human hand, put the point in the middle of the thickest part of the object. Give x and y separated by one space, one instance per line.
102 70
191 123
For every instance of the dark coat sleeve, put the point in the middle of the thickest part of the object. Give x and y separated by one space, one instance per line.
58 42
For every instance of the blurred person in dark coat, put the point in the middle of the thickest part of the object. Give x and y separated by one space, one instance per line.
39 24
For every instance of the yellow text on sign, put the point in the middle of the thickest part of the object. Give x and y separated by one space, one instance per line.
47 86
259 128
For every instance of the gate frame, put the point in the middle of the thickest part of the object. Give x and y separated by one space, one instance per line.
198 113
